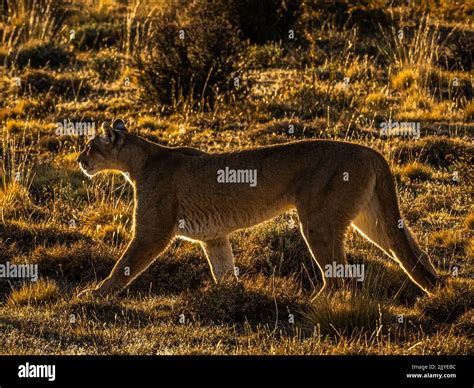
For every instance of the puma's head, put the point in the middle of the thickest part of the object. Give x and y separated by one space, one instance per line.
103 152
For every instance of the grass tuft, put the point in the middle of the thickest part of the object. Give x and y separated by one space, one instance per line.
417 171
347 314
34 293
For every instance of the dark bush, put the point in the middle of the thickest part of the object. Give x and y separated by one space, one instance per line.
448 305
255 300
367 15
107 64
435 151
194 58
94 36
39 81
457 49
75 262
264 20
37 54
265 56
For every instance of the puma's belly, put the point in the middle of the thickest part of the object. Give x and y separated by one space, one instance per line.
209 222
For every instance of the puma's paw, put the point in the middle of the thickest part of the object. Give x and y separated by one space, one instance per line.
84 293
101 290
90 292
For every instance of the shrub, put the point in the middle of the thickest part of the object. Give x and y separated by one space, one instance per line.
446 85
23 108
275 248
415 101
465 323
75 262
378 100
193 58
14 127
435 151
256 300
49 143
456 53
456 11
448 239
366 15
310 101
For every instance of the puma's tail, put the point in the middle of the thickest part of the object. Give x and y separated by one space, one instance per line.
380 221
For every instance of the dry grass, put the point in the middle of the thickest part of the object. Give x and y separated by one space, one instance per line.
469 221
469 111
404 79
417 171
348 314
450 239
39 292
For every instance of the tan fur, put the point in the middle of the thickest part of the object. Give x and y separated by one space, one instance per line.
177 195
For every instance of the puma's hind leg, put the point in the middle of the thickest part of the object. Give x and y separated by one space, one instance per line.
325 219
326 244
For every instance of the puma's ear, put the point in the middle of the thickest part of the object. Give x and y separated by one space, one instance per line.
105 127
107 132
119 125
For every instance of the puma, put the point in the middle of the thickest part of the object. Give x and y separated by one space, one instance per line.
187 193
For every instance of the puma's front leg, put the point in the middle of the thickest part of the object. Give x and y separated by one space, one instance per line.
139 255
153 232
220 257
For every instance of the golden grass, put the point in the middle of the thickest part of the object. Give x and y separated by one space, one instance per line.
378 100
447 238
417 171
404 79
348 314
32 293
448 304
469 111
469 221
470 249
